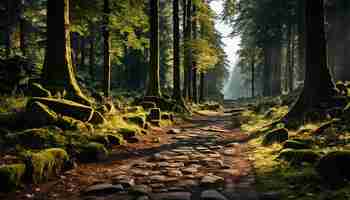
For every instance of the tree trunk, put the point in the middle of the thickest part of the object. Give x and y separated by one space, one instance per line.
92 61
267 71
82 52
301 40
58 73
253 74
188 51
202 88
176 65
8 31
106 50
154 84
288 57
318 86
291 64
22 31
184 62
194 62
276 84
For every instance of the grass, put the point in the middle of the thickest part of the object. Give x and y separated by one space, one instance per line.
294 182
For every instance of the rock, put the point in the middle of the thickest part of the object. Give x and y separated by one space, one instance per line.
92 152
65 107
38 90
297 156
154 114
127 132
158 178
140 172
159 157
38 115
333 167
190 170
270 196
45 164
147 105
139 120
126 182
297 144
143 198
174 131
276 136
140 190
167 116
11 176
38 138
172 196
212 162
212 195
230 152
103 189
212 181
174 173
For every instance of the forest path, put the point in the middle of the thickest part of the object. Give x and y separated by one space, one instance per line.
202 158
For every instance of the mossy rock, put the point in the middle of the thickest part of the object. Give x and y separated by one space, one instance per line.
334 167
167 116
154 115
45 164
147 105
69 123
38 90
297 156
297 144
276 136
38 115
92 152
134 109
37 138
128 132
66 107
139 120
115 139
11 176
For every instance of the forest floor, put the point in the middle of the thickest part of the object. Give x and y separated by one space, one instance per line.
202 157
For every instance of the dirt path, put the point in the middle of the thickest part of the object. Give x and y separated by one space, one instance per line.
203 158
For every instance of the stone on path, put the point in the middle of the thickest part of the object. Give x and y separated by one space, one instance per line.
125 181
230 152
103 188
174 131
140 190
172 196
212 181
158 178
212 195
175 173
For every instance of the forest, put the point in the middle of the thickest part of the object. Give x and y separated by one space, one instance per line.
143 100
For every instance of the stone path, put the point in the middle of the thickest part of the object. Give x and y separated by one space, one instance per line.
201 159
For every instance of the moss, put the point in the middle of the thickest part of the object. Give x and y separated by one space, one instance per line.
128 132
11 103
92 152
37 138
138 119
45 164
69 123
297 156
276 136
10 176
97 118
297 144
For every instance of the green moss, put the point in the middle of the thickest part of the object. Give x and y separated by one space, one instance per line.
10 176
276 136
92 152
297 156
297 144
11 103
127 132
69 123
45 164
37 138
138 119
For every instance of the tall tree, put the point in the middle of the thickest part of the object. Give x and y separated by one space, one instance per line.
194 62
188 52
176 65
106 50
154 85
318 86
58 73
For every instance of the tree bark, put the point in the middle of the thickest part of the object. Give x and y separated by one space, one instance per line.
22 31
291 61
276 83
194 62
253 74
92 61
8 32
154 80
301 40
188 52
202 88
318 86
106 50
267 71
176 52
82 52
58 73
